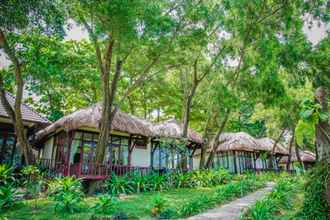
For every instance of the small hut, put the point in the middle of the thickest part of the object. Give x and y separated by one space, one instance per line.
10 152
69 144
169 150
279 150
240 152
308 159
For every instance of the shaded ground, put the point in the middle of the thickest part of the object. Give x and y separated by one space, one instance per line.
234 209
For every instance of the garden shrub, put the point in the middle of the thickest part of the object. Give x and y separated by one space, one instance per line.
137 183
6 174
119 185
227 192
158 205
67 194
33 181
7 196
280 198
315 205
106 205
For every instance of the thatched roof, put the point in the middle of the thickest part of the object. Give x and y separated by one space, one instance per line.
174 129
269 143
28 114
123 122
306 156
239 141
90 117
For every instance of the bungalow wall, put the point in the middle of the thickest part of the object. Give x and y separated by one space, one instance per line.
237 161
80 148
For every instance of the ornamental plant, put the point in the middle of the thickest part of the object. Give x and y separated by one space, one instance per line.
106 205
67 194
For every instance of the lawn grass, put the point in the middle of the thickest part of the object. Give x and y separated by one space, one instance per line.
137 205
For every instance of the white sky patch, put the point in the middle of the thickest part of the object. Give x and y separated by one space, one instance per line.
75 32
316 32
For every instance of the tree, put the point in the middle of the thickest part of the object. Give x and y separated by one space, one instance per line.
120 30
19 17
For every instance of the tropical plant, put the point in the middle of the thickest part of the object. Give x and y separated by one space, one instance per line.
119 185
33 181
105 205
158 205
67 194
6 174
7 196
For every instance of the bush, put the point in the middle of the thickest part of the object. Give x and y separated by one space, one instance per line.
227 192
105 205
280 198
34 182
315 205
66 193
119 185
6 174
7 196
155 182
158 205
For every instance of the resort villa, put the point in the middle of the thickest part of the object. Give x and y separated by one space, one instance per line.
240 152
68 146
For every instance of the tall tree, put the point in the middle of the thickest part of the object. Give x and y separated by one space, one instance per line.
19 17
120 30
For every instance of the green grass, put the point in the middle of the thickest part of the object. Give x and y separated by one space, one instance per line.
137 205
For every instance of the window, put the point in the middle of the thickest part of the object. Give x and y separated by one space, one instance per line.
9 152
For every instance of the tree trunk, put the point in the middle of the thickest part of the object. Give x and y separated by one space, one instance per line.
215 141
108 113
271 157
288 163
18 122
323 135
323 127
298 156
205 144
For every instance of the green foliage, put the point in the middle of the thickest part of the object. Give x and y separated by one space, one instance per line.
154 182
67 194
105 205
310 115
158 205
7 196
34 182
119 185
315 205
6 174
280 198
225 193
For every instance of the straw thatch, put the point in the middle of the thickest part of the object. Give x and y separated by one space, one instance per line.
306 156
239 141
269 143
173 129
123 122
90 117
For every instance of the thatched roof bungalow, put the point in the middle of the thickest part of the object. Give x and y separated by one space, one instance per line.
73 139
308 158
240 151
90 118
268 143
169 155
174 129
